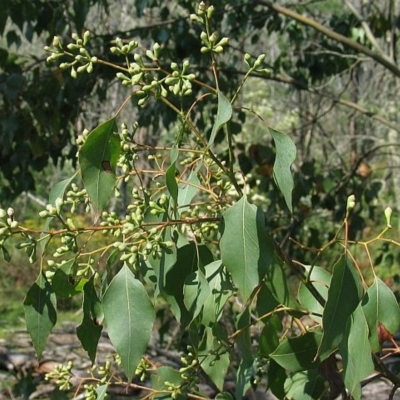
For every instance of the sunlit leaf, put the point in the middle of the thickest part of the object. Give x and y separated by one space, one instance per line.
98 158
285 155
40 312
129 315
196 290
241 243
187 191
305 385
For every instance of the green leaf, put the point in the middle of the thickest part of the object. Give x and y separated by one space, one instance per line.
320 279
190 258
344 295
285 155
170 176
63 281
276 376
298 353
221 289
214 358
380 307
305 385
223 396
98 158
89 331
196 290
224 114
58 190
40 312
241 243
187 191
269 337
163 375
245 371
129 315
159 266
356 353
101 392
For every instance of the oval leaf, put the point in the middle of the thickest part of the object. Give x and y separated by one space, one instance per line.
129 315
98 158
240 246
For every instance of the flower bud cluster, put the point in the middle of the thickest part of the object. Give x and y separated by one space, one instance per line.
189 371
122 48
128 154
77 196
62 374
142 369
257 64
68 244
179 82
82 62
7 223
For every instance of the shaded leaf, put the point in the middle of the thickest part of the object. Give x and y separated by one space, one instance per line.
63 281
305 385
170 176
285 155
220 290
380 306
58 190
101 392
224 114
298 353
40 312
356 353
159 379
344 295
129 315
196 290
98 158
245 371
320 279
89 331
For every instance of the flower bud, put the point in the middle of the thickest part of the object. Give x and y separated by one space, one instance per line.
351 202
388 215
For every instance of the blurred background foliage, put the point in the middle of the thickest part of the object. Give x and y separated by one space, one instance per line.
336 101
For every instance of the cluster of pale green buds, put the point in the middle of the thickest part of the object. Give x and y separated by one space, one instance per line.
203 13
83 58
211 43
77 196
122 48
52 210
128 146
142 368
81 139
189 370
90 391
179 82
68 244
7 221
62 374
257 64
